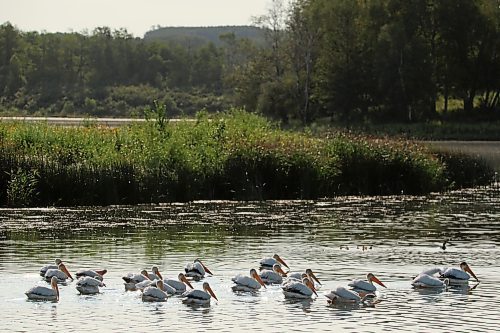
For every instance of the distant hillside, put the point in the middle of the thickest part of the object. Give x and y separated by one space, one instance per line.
198 36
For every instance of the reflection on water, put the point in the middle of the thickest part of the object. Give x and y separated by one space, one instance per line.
392 237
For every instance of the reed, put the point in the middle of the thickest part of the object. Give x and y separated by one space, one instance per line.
231 155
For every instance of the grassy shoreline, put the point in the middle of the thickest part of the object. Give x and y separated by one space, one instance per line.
232 155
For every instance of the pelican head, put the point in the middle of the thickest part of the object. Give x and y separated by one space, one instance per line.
465 267
53 284
160 285
58 261
310 285
145 273
209 290
255 275
281 261
372 278
277 268
311 275
156 272
63 268
184 279
204 267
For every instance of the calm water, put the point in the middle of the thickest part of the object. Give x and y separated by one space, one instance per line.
405 234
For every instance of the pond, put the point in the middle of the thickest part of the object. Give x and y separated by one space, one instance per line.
401 235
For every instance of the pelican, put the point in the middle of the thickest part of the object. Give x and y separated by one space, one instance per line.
132 279
456 276
274 276
88 285
366 285
180 284
45 268
248 283
296 289
199 296
155 293
98 274
154 283
61 273
196 270
343 295
155 274
459 276
428 281
136 278
40 293
268 263
309 274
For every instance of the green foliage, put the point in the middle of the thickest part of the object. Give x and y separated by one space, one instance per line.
232 155
22 187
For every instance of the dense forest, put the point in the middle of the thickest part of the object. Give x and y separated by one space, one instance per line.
343 60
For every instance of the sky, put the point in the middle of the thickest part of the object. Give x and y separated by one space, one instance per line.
136 16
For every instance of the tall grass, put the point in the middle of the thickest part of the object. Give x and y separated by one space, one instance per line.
232 155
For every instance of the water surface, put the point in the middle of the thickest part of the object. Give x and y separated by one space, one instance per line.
401 235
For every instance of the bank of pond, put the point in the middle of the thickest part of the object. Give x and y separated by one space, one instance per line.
233 155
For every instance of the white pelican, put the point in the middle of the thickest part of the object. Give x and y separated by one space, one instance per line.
180 284
343 295
299 276
248 283
132 279
455 275
268 263
61 273
45 268
274 276
196 270
366 285
154 283
155 293
88 285
459 276
428 281
40 293
98 274
296 289
155 274
199 296
136 278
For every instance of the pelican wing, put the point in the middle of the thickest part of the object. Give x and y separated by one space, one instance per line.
90 273
269 276
346 294
40 292
45 268
175 284
194 270
144 284
427 281
246 281
268 262
134 278
89 281
363 285
60 275
455 273
154 294
197 295
297 288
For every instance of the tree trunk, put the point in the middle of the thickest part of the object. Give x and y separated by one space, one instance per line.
469 102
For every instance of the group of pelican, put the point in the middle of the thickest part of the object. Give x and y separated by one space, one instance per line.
155 288
88 282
